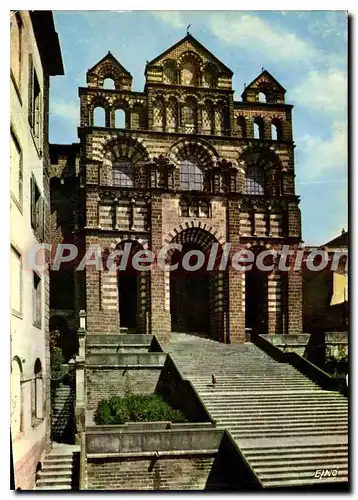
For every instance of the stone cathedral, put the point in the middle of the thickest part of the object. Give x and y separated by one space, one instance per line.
181 162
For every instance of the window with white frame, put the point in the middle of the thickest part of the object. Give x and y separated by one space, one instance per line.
16 169
16 48
36 299
16 281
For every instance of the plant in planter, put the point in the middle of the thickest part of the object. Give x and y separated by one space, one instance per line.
136 408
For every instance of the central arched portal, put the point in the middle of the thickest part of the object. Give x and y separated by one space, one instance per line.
197 301
189 295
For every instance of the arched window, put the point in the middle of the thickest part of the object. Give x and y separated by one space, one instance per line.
255 180
108 83
191 176
276 130
170 73
37 392
241 125
16 397
123 173
188 118
189 74
172 115
258 128
159 114
120 118
208 120
209 76
262 97
99 117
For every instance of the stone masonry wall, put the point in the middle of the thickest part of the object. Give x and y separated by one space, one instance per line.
105 383
175 473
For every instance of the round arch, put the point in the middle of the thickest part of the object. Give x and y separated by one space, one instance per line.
204 153
202 286
265 161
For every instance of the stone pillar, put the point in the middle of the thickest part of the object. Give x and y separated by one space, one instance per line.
80 405
274 303
160 323
236 318
294 299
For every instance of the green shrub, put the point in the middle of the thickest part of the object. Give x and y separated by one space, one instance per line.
136 408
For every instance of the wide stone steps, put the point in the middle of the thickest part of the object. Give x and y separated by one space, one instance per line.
295 428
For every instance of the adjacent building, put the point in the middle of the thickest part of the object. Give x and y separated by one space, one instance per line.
35 57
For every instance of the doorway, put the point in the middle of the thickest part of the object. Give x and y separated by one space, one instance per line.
128 298
256 300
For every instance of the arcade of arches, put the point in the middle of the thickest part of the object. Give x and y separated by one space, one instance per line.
185 164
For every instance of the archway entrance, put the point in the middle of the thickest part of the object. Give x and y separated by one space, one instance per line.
197 301
132 289
256 297
189 297
127 297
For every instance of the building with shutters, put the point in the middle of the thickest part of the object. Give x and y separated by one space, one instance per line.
35 57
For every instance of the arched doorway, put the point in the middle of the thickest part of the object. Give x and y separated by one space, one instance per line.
132 290
256 294
197 302
189 295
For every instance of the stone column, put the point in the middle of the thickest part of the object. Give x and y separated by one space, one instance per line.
274 303
294 299
160 323
236 318
80 405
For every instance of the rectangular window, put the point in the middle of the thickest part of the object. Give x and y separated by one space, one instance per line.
36 299
16 48
15 169
15 281
37 210
35 103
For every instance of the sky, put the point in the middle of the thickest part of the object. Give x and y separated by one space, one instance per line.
306 51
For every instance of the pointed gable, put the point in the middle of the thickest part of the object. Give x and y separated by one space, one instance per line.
266 84
109 67
167 67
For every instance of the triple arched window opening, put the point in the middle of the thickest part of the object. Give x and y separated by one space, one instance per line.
191 176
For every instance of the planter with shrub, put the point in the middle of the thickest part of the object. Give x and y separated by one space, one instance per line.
136 408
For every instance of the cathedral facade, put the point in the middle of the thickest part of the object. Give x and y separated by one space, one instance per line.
180 163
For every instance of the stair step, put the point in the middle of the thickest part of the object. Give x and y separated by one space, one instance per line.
57 474
304 474
318 463
54 481
49 467
303 482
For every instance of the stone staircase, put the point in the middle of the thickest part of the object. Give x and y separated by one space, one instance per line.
62 413
289 430
60 470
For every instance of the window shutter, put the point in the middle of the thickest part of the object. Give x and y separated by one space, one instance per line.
31 91
42 219
33 203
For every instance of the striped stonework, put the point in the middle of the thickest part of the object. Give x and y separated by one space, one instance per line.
109 290
274 291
